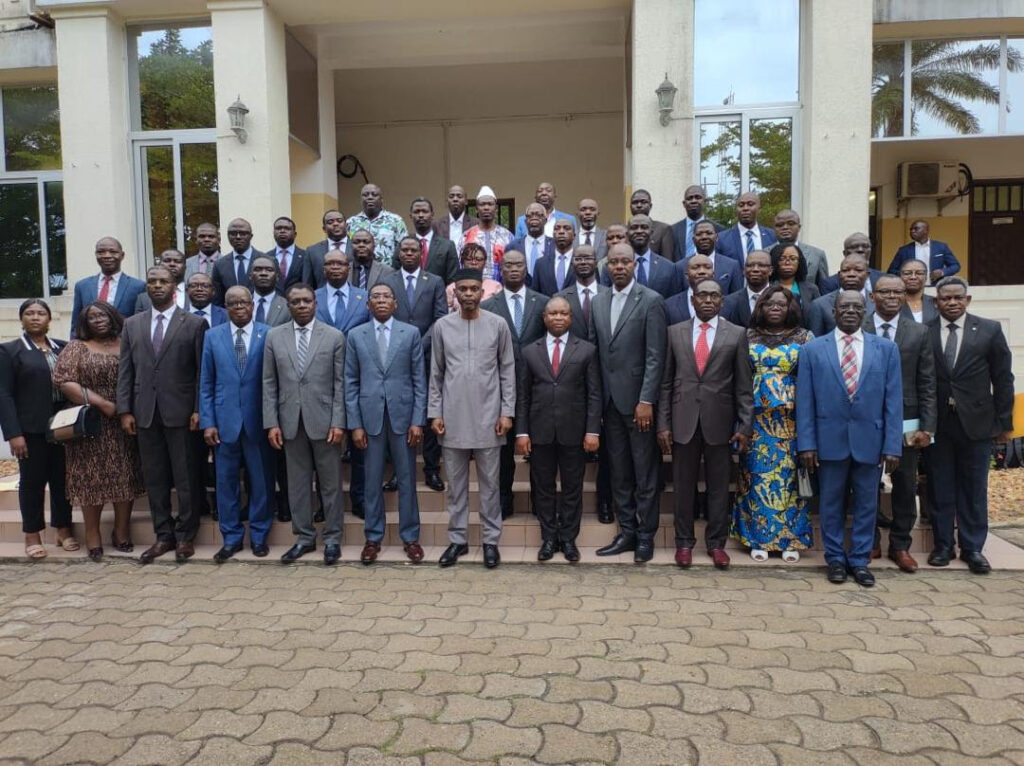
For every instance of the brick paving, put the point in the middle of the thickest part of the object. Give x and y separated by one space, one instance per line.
396 664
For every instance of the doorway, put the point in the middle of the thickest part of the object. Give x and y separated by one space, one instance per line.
996 232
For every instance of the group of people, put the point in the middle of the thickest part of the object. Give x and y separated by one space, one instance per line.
561 341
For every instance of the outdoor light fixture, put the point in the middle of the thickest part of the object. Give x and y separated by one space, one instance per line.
666 96
237 112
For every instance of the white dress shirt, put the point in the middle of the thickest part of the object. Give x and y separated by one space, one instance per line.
112 291
568 265
296 327
455 228
428 237
591 288
166 314
246 334
893 324
180 296
342 245
752 296
581 238
387 329
278 252
961 324
923 251
756 230
521 292
332 298
858 349
528 244
712 329
619 298
265 300
246 260
206 314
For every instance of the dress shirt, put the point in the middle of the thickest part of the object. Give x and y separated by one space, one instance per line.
753 296
549 225
550 340
743 238
246 334
568 265
624 291
961 324
893 324
247 260
591 288
205 262
581 238
291 255
112 292
342 245
266 300
388 324
918 315
406 274
528 247
456 228
205 314
166 314
428 237
521 292
619 298
923 252
180 297
858 349
712 329
332 299
309 336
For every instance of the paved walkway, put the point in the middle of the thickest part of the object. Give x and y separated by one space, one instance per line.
395 664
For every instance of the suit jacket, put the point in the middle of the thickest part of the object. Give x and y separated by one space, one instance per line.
677 308
315 256
598 240
929 310
736 308
632 356
817 263
225 274
442 259
231 400
192 266
143 303
728 274
940 257
831 282
679 235
87 290
377 273
837 427
218 316
442 227
357 310
371 386
544 280
300 269
580 327
721 401
520 230
429 302
730 243
981 381
276 312
533 318
820 318
316 396
519 243
917 364
559 409
26 389
662 241
168 380
662 276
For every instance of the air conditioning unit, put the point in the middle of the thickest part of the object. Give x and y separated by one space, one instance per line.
928 179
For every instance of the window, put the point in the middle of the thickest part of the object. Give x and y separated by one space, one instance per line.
31 128
174 75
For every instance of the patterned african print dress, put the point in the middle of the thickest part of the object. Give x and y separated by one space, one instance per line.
769 514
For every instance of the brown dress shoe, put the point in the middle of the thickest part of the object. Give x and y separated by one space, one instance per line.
159 548
414 551
876 553
184 551
904 560
684 557
370 551
719 558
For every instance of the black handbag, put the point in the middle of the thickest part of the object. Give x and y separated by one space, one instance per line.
75 423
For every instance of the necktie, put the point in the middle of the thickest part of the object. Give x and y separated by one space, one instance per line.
240 354
202 315
339 307
336 245
534 254
158 335
284 264
363 275
105 290
587 242
423 252
556 356
586 305
701 351
261 311
690 247
849 366
950 350
617 300
240 269
750 241
410 288
517 314
753 299
560 272
885 331
382 343
301 348
641 271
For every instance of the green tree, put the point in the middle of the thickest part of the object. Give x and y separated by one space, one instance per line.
176 85
32 128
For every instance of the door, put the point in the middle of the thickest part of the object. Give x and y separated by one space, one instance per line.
996 232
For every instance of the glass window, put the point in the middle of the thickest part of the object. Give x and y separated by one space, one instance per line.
1015 86
720 168
21 262
56 252
746 53
161 218
31 129
175 78
771 165
887 90
954 87
198 186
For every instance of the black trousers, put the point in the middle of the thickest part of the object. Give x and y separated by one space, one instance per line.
685 470
903 501
635 462
167 461
44 465
201 477
959 471
431 449
506 470
559 516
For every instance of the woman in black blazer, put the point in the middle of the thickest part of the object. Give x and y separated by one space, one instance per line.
28 399
789 269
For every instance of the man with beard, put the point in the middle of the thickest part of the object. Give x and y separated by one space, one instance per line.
437 253
174 260
489 234
292 262
651 270
590 233
367 269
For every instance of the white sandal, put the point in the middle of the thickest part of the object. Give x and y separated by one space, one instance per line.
791 556
758 555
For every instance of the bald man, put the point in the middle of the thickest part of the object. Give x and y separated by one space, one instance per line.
110 285
747 235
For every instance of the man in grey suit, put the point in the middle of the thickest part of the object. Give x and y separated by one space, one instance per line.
706 405
590 233
271 306
158 401
366 269
629 330
304 412
335 226
386 405
208 242
787 229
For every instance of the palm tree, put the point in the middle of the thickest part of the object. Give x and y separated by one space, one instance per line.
944 76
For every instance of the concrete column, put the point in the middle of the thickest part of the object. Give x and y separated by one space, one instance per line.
835 88
93 93
315 176
662 156
254 178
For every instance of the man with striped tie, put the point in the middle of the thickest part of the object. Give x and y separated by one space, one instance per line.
747 235
849 415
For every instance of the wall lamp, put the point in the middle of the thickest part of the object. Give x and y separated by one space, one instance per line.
237 112
666 97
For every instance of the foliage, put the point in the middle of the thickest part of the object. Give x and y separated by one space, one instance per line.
22 273
32 128
176 85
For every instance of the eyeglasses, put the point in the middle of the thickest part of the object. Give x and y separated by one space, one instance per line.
237 304
891 292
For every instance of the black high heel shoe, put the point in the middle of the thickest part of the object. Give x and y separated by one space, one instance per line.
126 546
96 554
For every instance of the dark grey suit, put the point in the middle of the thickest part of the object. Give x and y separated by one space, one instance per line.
442 225
580 327
598 240
820 318
442 258
162 392
225 274
275 310
315 255
662 241
376 274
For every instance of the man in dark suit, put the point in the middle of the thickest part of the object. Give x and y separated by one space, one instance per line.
231 419
652 270
914 274
853 275
787 229
940 259
233 268
590 233
857 244
553 273
420 301
629 332
335 226
271 306
705 408
738 307
678 308
366 269
660 239
437 253
683 230
454 225
727 272
917 364
158 400
534 244
110 285
293 263
200 299
849 417
975 400
558 419
523 311
747 235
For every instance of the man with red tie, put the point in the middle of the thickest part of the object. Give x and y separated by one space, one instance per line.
437 254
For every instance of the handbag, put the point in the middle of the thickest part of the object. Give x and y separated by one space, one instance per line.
804 487
75 423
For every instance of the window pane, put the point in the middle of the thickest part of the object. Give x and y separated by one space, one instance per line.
31 128
887 90
733 62
199 186
1004 197
720 169
158 182
176 78
21 268
954 87
771 165
990 199
57 259
1015 86
1015 198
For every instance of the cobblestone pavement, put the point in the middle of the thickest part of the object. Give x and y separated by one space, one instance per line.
395 664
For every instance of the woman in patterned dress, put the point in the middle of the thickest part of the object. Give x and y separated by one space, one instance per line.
769 515
104 469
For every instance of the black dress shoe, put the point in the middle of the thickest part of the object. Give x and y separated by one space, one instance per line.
862 576
318 516
604 513
940 557
451 554
571 552
359 510
433 480
331 554
260 550
284 515
491 556
296 552
620 544
547 550
644 551
836 572
977 563
226 552
391 485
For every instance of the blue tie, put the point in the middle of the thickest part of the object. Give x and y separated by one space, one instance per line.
750 241
517 314
690 247
339 308
240 271
261 312
534 254
410 288
641 271
560 273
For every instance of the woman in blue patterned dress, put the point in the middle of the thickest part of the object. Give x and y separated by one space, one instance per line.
769 515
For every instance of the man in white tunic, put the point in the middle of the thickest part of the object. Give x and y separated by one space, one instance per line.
471 405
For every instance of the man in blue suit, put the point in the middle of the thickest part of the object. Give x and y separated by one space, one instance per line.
650 269
746 236
727 272
940 259
386 408
545 196
231 417
534 244
110 285
849 415
199 288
